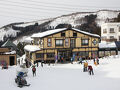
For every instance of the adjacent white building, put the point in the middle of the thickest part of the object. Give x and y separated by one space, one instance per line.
110 32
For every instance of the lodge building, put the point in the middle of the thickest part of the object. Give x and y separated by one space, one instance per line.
7 56
65 43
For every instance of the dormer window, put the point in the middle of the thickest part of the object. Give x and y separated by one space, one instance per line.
74 34
62 34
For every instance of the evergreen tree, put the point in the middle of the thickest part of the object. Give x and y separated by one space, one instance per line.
20 49
90 25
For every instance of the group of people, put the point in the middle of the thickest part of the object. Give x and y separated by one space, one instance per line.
88 68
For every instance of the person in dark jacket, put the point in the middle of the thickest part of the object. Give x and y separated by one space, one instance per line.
34 71
90 69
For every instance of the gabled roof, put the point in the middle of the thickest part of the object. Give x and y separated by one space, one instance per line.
9 43
50 32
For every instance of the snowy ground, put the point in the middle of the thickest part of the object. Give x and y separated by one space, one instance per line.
68 77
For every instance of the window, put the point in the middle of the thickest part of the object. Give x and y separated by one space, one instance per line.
111 37
50 55
84 41
119 29
72 43
39 55
74 34
66 42
112 30
36 42
49 42
104 31
59 42
63 34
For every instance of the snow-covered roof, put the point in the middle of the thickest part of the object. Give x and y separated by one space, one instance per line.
107 45
28 40
49 32
86 32
31 48
12 52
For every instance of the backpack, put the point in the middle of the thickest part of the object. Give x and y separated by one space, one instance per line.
33 69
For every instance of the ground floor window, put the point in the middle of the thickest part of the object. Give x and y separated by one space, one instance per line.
50 55
39 55
82 53
94 54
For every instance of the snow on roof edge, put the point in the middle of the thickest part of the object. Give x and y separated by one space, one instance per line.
49 32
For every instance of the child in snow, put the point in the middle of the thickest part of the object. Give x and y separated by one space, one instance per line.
85 66
90 69
34 71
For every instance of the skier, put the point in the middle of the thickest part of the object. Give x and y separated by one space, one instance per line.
90 69
71 60
56 59
80 60
42 63
34 71
97 60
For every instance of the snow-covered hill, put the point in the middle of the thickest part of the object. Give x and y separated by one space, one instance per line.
73 19
78 18
67 77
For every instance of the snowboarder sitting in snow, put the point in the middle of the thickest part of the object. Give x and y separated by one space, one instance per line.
34 71
90 69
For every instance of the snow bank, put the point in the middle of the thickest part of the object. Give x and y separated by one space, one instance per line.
68 77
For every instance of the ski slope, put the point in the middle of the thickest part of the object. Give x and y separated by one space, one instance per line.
68 77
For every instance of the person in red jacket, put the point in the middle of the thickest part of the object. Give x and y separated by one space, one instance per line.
34 71
90 69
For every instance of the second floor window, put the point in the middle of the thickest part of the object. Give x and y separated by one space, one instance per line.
119 29
59 43
72 43
84 41
49 42
112 30
66 42
104 31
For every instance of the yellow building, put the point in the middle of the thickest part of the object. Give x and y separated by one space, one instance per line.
63 44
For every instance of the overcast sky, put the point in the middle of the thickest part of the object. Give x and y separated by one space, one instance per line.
29 10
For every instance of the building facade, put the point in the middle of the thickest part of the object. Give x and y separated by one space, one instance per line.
62 44
110 32
7 56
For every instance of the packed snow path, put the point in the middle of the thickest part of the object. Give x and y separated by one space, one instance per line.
67 77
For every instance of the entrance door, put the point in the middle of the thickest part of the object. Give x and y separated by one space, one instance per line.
12 60
66 54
